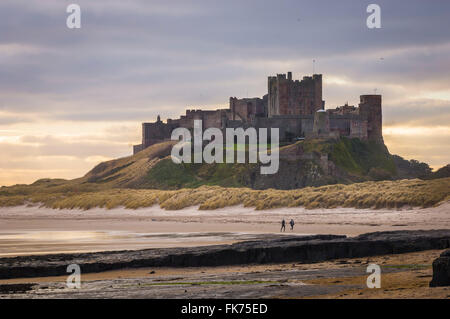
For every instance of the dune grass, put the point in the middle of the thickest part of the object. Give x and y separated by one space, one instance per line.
383 194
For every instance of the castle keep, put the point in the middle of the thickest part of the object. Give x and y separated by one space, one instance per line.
294 106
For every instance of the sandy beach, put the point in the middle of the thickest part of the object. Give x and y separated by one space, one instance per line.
33 230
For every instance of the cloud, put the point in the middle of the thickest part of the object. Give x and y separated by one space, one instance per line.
133 60
30 157
418 112
420 145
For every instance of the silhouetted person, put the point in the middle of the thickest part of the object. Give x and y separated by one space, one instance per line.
292 224
283 225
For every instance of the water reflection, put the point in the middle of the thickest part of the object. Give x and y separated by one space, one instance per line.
51 242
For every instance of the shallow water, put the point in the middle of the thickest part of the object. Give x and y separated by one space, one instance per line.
45 242
34 230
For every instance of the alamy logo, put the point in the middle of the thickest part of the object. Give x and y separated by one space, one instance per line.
374 280
213 152
73 21
374 19
74 279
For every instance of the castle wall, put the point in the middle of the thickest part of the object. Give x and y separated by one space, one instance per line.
307 123
246 109
344 110
212 119
156 132
321 124
340 123
288 127
358 129
295 107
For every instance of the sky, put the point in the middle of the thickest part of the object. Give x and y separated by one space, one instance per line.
71 98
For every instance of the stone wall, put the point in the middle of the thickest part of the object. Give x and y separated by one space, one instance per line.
246 109
157 132
289 126
358 129
321 123
295 107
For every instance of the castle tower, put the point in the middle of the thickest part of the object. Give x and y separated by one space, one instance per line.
370 110
293 97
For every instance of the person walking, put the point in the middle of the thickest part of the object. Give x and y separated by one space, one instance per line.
283 226
292 224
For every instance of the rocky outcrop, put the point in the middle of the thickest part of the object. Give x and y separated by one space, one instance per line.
303 249
441 270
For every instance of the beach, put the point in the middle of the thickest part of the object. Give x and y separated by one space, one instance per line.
403 276
31 230
195 255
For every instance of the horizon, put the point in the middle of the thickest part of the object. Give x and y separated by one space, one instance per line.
71 99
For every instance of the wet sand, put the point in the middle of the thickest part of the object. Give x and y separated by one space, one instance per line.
403 276
34 230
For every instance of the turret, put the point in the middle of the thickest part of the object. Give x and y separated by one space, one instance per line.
321 124
370 110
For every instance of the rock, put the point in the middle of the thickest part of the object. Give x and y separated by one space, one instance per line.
441 270
281 249
15 288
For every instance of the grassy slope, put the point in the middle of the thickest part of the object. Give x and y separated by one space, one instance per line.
354 159
167 175
360 158
153 168
126 182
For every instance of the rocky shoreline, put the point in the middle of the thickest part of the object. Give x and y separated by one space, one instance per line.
275 249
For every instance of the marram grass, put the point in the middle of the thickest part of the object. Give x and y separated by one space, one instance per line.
384 194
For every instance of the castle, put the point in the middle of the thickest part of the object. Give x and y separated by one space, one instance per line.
294 106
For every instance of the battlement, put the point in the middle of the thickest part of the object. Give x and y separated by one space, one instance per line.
294 106
344 109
